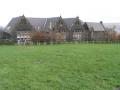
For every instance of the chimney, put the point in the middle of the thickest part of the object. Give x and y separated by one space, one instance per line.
101 22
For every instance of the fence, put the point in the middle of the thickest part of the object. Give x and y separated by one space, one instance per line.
74 42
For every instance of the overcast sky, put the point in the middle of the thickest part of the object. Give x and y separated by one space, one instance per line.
87 10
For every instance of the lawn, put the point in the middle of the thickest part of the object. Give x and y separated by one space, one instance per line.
60 67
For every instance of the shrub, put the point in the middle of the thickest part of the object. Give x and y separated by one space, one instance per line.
6 42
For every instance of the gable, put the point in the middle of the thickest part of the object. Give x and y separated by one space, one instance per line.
95 26
46 23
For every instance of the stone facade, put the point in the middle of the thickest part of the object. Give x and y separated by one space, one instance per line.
98 36
23 37
62 29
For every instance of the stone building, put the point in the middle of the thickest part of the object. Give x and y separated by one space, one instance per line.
80 31
60 29
21 31
97 31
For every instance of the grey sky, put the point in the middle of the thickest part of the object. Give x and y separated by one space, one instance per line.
87 10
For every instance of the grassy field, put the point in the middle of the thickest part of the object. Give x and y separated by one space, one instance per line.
60 67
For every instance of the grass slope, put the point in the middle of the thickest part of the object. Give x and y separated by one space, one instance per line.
60 67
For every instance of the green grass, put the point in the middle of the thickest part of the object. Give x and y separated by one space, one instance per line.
60 67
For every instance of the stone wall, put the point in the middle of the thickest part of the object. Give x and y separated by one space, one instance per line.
98 36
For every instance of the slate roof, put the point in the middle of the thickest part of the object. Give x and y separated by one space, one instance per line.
113 26
13 22
68 21
1 30
33 21
49 21
44 23
95 26
37 21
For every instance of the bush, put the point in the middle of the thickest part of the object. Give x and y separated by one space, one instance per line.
6 42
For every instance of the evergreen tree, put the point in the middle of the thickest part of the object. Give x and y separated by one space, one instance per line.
77 25
23 25
60 25
77 21
85 26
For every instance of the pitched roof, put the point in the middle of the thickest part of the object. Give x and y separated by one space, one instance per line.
68 22
1 31
33 21
95 26
37 21
44 23
50 22
113 26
